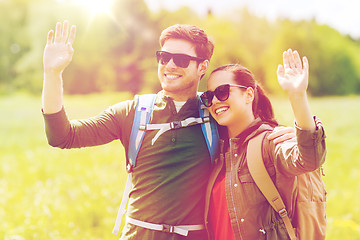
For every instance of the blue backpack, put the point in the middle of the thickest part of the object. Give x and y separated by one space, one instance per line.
141 124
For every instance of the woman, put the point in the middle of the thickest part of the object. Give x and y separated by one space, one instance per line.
235 207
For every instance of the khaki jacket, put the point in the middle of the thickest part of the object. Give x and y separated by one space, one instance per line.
252 217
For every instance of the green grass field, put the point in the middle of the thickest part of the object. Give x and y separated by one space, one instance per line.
48 193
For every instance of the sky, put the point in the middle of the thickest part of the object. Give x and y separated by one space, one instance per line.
343 15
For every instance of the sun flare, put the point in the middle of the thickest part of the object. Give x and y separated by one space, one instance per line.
97 6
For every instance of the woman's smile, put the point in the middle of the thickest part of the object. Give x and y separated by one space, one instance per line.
220 110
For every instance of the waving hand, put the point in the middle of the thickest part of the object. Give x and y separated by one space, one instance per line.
58 51
293 75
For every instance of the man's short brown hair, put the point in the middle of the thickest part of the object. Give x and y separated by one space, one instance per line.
204 46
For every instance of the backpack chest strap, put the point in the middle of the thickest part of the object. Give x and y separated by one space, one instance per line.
164 127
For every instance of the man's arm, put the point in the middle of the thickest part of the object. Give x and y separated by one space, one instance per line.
57 55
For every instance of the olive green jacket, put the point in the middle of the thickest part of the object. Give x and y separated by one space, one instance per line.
170 177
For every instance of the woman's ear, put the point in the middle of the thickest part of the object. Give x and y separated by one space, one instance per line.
250 95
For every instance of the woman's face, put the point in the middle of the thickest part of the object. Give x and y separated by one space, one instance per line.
236 111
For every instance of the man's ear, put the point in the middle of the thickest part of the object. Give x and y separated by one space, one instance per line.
203 67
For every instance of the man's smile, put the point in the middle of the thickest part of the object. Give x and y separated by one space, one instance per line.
172 76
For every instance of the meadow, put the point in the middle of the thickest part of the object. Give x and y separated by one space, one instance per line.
49 193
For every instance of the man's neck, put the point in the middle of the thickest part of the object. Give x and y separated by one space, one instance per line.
180 97
179 105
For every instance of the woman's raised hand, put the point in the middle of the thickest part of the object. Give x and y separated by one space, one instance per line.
293 75
58 51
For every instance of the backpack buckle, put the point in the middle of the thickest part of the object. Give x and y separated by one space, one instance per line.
175 125
283 213
167 228
129 167
206 119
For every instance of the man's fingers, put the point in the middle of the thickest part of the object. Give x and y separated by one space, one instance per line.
72 34
65 31
274 134
58 33
62 34
50 37
279 131
285 138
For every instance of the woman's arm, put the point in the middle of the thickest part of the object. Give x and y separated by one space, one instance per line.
308 152
293 78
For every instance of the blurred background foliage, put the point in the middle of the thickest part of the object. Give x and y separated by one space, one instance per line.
115 52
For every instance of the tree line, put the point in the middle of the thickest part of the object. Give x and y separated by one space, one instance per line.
116 52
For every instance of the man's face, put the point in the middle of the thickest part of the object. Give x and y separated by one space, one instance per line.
180 83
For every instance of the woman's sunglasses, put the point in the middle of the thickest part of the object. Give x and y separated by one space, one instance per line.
221 93
181 60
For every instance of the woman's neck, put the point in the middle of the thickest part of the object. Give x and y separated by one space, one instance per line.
238 128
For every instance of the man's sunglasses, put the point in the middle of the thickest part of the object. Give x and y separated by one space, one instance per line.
221 93
181 60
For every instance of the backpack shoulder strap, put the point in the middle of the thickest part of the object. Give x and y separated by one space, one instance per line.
143 112
263 181
210 131
122 208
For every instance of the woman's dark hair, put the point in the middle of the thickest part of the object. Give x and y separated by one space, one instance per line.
261 105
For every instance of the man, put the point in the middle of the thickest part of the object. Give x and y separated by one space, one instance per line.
171 173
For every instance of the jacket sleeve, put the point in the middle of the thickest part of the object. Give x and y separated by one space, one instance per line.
305 155
103 128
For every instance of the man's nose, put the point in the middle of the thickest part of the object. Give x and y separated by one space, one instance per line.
171 63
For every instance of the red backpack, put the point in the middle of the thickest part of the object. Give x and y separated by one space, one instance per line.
310 208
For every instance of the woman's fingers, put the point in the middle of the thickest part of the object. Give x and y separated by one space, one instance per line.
280 71
286 59
297 60
306 64
291 58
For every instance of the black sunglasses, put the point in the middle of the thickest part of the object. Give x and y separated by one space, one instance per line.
181 60
221 93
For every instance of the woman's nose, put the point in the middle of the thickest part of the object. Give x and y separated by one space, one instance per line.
215 100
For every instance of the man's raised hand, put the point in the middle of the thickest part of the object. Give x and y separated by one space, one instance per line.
58 50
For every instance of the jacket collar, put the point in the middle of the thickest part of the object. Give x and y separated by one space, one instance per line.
255 128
